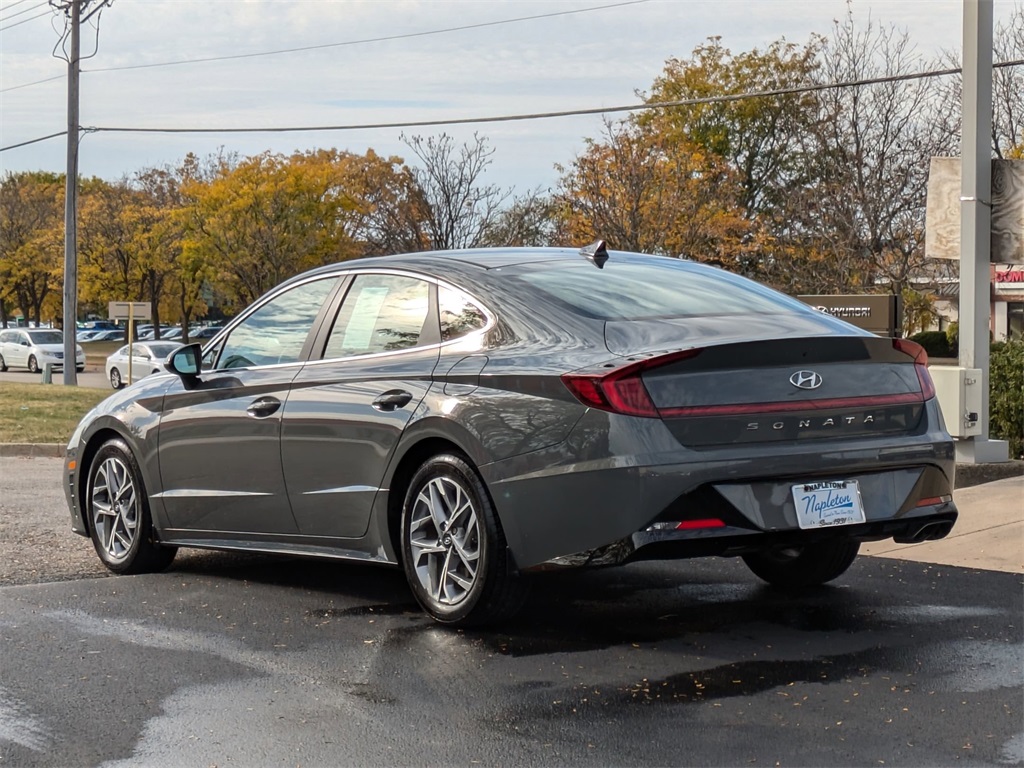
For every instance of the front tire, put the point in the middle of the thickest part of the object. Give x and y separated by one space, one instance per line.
801 567
33 364
454 548
115 379
3 364
117 506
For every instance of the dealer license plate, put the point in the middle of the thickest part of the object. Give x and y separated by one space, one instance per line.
828 503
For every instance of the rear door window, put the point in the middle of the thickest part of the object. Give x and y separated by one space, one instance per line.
380 313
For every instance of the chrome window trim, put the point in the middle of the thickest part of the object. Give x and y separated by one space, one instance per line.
354 272
228 329
419 348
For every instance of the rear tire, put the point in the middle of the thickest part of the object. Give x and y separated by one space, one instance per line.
454 550
801 567
117 507
3 364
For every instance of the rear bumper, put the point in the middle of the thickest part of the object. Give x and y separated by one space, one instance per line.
927 524
591 499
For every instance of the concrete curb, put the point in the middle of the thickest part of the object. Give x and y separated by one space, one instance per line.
47 450
978 474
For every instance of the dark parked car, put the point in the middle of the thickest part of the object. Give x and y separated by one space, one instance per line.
205 333
478 416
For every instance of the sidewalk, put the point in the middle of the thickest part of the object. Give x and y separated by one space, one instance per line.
989 533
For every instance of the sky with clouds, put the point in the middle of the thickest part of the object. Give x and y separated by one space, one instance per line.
592 54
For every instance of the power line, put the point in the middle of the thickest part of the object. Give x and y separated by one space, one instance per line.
561 113
336 45
364 41
25 21
26 10
13 5
33 141
539 115
36 82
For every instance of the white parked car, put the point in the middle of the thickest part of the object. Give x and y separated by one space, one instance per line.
147 357
34 348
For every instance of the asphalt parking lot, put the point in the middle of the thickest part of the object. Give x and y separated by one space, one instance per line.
253 660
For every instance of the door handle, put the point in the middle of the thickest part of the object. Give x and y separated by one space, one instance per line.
392 400
263 407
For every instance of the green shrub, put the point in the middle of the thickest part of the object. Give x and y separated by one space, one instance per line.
953 337
1006 394
935 343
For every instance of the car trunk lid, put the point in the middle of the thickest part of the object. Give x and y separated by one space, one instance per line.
725 382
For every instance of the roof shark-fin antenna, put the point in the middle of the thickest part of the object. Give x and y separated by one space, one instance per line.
596 253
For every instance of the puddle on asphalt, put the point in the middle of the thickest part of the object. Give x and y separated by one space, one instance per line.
382 609
745 678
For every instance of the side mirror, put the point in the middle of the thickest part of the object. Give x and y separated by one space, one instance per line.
185 362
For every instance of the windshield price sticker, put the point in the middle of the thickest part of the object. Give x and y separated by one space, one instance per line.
827 504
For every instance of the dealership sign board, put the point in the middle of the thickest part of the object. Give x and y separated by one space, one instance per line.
135 310
942 211
878 313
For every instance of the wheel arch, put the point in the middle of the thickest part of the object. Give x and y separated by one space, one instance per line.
88 452
110 428
413 457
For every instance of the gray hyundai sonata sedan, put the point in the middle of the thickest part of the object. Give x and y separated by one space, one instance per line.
475 417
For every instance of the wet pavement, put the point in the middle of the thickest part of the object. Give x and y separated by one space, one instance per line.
250 660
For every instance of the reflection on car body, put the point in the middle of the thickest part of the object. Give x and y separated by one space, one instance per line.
477 417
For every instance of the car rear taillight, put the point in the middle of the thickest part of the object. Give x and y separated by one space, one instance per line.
917 352
622 390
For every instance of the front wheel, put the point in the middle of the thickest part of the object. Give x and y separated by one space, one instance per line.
807 566
115 379
454 548
33 364
118 512
3 364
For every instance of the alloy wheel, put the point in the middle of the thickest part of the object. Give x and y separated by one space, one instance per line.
115 508
444 536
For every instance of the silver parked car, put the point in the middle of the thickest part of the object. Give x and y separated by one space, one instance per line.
147 357
475 417
34 349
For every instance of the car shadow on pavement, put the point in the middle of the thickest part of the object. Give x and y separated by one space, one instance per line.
569 611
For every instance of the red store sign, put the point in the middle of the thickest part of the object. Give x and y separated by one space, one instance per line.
1008 280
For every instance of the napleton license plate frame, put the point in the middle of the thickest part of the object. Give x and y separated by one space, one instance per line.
828 504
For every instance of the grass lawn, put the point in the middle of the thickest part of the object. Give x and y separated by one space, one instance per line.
34 413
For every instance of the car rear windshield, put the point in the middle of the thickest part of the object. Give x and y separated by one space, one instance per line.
162 350
656 287
46 337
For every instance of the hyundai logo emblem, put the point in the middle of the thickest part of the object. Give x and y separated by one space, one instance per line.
805 380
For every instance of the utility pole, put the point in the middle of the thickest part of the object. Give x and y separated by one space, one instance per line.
70 319
976 221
